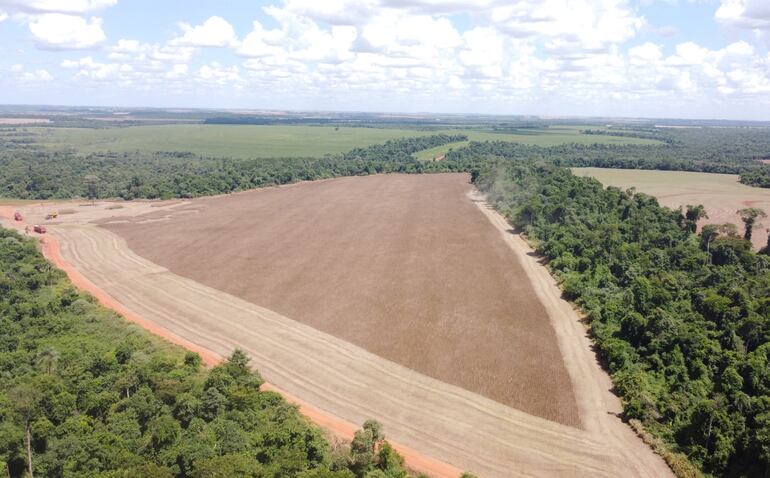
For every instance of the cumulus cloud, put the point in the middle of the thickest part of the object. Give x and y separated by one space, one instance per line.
19 73
214 32
72 7
750 14
557 51
59 31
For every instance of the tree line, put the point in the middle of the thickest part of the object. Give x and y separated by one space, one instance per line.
43 174
681 321
83 393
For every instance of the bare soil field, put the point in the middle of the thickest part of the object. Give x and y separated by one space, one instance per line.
403 266
721 194
14 121
441 428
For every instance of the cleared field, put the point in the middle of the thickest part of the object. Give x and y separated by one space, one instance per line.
429 416
256 141
401 265
721 194
15 121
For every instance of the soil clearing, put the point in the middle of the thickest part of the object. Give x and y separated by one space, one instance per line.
403 266
429 419
721 194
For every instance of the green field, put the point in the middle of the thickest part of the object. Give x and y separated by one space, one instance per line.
250 141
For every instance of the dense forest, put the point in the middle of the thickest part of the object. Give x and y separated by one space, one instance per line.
83 393
29 173
682 321
711 150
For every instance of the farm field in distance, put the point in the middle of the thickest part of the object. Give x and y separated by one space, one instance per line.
721 194
249 141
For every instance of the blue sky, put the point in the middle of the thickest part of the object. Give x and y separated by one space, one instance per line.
672 58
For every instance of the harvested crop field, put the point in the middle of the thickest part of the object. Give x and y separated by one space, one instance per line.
721 194
441 428
403 266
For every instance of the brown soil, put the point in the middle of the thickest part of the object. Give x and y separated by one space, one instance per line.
403 266
12 121
428 419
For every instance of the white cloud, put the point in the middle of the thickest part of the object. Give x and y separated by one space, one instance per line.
59 31
214 32
3 16
74 7
19 73
750 14
558 52
590 24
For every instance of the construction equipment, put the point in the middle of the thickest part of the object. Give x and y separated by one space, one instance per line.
52 215
39 229
17 216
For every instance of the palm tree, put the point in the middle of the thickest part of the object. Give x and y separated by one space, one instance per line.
749 216
48 358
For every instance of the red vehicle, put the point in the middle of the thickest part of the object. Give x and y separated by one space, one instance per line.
17 216
39 229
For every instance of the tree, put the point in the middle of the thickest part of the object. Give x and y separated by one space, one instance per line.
749 217
92 185
48 358
390 462
693 215
25 399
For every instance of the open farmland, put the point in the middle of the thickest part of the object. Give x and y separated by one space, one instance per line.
721 194
403 266
343 379
265 141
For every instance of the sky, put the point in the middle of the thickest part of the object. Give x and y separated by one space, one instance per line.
621 58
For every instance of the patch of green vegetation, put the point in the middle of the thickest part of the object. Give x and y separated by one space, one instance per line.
235 141
432 153
271 141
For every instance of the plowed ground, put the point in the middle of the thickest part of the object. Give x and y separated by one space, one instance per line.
403 266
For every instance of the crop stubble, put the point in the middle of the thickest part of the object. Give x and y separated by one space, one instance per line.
403 266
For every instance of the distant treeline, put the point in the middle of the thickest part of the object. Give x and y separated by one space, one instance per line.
41 174
681 320
711 150
631 133
83 393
